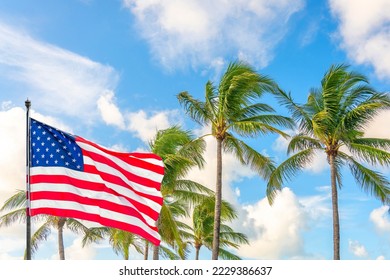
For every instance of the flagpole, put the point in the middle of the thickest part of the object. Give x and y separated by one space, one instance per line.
28 218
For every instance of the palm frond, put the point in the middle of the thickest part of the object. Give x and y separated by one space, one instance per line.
95 235
41 234
196 109
252 110
227 255
298 113
76 226
168 253
257 162
372 155
370 181
12 217
18 200
301 142
286 170
253 128
380 143
211 97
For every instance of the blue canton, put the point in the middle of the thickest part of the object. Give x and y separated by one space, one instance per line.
53 147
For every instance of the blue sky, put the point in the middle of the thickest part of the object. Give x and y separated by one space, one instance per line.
110 71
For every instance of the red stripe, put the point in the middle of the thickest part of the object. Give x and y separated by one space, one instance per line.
64 196
134 159
96 218
130 176
87 185
145 155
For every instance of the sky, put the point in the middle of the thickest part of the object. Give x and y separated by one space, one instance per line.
110 71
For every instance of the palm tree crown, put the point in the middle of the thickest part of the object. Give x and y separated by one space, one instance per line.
333 121
203 221
180 152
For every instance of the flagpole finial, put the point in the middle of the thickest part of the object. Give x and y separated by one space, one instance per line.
27 103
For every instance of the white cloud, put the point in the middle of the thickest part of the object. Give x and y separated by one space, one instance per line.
145 126
365 32
110 111
276 230
12 241
56 80
197 32
12 150
318 206
357 249
77 252
375 128
380 218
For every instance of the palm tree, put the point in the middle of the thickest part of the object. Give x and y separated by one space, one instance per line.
121 241
333 121
232 111
180 152
203 223
16 205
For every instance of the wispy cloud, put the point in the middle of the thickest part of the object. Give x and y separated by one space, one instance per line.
357 249
109 110
200 32
145 124
57 80
380 218
364 32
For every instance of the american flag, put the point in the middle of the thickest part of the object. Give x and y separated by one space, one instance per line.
73 177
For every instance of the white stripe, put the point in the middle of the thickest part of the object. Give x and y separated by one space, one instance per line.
145 173
53 171
70 205
151 160
90 194
102 167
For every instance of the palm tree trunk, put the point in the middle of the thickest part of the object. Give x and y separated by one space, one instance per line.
335 208
61 249
146 251
218 201
197 250
155 252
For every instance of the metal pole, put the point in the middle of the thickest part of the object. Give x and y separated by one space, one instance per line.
28 219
